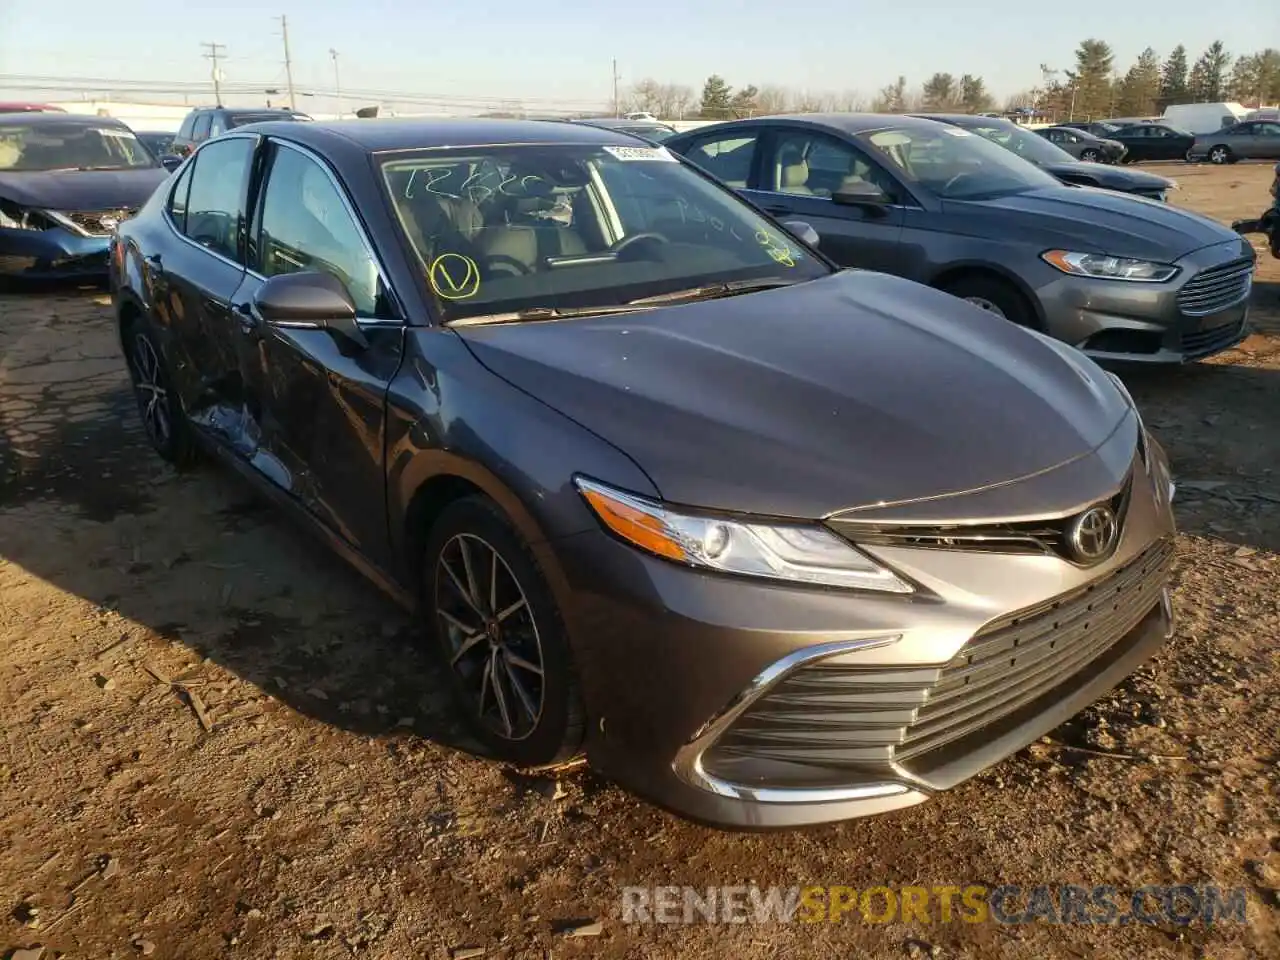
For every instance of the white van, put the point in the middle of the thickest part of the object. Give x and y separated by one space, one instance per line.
1203 117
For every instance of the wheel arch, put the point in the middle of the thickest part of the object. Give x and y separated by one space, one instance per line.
956 271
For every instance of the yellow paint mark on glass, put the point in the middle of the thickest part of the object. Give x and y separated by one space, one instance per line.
454 276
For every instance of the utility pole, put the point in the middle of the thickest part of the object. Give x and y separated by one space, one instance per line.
337 85
288 63
216 50
616 109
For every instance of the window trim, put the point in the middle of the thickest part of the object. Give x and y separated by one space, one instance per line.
263 182
744 132
192 161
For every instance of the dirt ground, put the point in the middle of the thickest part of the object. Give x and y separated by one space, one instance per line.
216 741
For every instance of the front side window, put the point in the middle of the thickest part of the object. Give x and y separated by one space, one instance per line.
1268 130
201 131
727 157
178 198
305 226
215 204
70 145
500 230
817 165
953 163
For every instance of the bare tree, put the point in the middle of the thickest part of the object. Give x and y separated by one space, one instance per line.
773 100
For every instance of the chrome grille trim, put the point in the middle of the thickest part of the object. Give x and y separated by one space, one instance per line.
826 714
1216 288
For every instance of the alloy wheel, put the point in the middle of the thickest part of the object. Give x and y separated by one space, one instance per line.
151 392
490 635
1218 155
1089 156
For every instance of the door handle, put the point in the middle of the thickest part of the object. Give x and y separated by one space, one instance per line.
154 259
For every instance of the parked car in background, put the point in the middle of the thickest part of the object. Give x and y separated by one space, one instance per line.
205 122
1122 278
1083 145
1255 140
1153 141
640 115
66 182
1099 128
1052 159
650 130
159 143
29 108
660 482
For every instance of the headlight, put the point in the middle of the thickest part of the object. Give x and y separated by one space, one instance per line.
1103 267
799 553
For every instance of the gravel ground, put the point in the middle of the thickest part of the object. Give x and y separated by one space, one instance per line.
218 742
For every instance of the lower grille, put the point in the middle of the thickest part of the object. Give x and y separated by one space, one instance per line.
101 223
1216 288
833 715
1201 343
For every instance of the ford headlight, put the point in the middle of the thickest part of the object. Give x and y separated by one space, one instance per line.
1102 267
797 553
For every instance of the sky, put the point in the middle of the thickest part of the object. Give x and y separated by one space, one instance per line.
561 52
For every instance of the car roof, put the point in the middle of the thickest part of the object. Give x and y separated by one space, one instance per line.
963 119
847 123
377 136
618 122
41 118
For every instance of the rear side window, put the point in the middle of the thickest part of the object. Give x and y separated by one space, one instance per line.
178 198
201 131
217 124
215 216
727 157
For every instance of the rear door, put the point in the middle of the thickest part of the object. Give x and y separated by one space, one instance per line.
196 275
318 403
1267 140
802 168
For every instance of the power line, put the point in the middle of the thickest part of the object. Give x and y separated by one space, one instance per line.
213 56
288 63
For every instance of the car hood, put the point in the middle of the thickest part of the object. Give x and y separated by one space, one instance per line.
82 189
855 389
1112 178
1094 221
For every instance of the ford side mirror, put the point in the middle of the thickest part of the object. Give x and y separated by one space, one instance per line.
310 300
803 231
862 194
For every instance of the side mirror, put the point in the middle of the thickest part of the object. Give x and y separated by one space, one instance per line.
311 300
862 194
171 161
804 231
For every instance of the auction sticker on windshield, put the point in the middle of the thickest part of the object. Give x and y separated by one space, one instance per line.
641 153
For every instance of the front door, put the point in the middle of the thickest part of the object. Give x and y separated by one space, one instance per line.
802 168
195 277
318 402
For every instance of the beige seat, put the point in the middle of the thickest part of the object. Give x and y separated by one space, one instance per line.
794 178
528 246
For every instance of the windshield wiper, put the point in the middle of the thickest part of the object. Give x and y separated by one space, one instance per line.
710 291
545 313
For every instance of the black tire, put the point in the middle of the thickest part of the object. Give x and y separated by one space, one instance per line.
555 734
163 419
988 292
1089 156
1220 154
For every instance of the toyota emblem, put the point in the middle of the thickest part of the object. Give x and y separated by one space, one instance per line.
1093 534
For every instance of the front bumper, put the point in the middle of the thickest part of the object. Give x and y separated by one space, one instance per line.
52 254
1151 323
674 661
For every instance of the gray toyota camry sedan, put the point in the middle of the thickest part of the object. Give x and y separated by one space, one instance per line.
769 542
1122 278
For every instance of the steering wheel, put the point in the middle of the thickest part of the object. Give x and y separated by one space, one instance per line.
946 188
508 266
630 241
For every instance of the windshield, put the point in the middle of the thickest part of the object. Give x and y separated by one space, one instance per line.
565 227
70 146
657 133
955 164
1028 145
